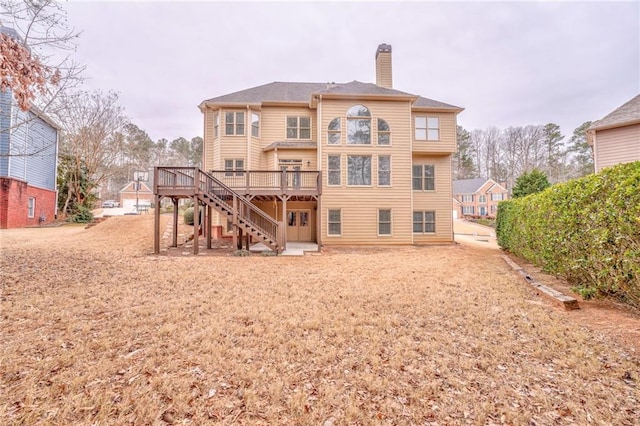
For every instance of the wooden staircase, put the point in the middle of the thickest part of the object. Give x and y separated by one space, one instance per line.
188 181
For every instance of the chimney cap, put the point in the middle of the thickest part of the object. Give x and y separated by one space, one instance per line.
383 48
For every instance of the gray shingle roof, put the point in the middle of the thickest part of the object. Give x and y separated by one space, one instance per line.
625 114
467 186
279 91
275 92
430 103
359 88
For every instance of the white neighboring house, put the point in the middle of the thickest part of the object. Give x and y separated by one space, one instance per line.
129 195
615 138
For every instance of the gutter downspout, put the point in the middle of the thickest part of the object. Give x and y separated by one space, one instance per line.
319 168
595 157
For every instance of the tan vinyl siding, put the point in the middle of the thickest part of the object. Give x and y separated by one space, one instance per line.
274 123
274 209
232 146
360 204
256 144
447 142
619 145
306 155
438 200
209 142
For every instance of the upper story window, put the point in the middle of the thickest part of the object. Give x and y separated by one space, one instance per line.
298 127
424 177
234 123
334 170
384 132
427 128
467 198
359 125
255 125
333 132
359 170
384 170
496 196
216 124
482 199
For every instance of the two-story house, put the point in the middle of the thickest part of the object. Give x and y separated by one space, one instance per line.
28 165
351 163
615 138
477 197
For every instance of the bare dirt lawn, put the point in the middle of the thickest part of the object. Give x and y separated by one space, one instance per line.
96 330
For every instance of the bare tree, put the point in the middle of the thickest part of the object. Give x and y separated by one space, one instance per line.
36 45
93 139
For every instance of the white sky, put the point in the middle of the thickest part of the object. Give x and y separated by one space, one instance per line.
507 64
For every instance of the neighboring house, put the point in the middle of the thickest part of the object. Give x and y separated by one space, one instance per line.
28 165
129 195
477 197
352 163
616 137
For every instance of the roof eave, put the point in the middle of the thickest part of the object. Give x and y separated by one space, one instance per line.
595 127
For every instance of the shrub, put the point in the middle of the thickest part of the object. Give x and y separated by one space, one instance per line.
242 253
188 216
82 215
586 230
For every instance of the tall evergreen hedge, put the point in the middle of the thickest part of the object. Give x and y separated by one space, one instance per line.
586 231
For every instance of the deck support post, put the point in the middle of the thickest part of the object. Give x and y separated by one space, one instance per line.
234 221
174 237
196 224
239 243
285 222
247 241
156 226
319 222
208 226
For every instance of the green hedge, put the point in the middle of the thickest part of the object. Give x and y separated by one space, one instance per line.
188 216
586 231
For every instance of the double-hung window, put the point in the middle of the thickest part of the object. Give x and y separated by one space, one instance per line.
384 132
216 124
427 128
255 125
468 210
359 170
424 177
333 132
384 222
467 198
334 222
234 165
31 207
424 222
334 170
496 196
298 127
384 170
482 199
234 123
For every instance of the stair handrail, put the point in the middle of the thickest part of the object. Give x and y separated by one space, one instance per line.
247 212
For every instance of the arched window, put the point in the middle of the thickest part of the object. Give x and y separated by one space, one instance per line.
384 132
359 125
333 135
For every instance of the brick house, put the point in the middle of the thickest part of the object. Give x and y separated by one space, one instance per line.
28 165
477 197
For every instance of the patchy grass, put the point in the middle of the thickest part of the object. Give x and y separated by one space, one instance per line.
95 330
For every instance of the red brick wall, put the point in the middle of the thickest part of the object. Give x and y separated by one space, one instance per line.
14 204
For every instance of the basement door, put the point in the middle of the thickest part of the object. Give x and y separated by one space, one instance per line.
298 225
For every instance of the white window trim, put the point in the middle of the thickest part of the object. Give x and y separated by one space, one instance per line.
31 209
370 185
298 117
422 178
235 123
378 133
390 234
340 170
329 223
426 128
259 122
390 174
424 232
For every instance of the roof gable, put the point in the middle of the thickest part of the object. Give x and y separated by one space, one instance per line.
130 187
628 113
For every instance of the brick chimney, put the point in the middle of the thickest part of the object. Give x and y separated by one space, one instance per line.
383 66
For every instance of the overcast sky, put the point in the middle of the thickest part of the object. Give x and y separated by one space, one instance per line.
507 64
